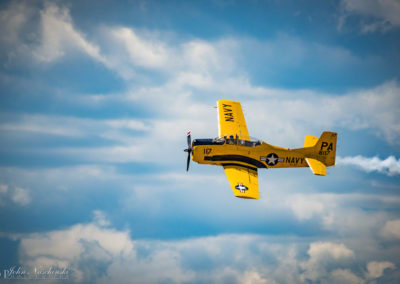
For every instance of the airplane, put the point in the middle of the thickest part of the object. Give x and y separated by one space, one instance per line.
241 155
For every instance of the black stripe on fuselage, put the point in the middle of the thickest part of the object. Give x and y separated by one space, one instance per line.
236 158
238 165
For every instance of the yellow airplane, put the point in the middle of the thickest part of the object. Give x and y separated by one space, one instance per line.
241 155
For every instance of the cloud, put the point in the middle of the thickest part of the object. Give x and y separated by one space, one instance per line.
21 196
391 229
12 19
389 166
101 254
375 110
18 195
305 207
322 250
100 218
121 131
46 34
324 255
141 52
376 268
343 276
195 63
3 188
384 14
184 70
92 250
58 35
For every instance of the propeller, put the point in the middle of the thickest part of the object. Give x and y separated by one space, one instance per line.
188 150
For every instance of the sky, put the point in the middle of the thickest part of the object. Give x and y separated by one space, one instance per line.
96 98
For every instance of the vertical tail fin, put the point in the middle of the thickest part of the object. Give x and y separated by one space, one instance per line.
324 148
323 152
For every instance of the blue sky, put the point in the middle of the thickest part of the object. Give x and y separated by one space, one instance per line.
96 100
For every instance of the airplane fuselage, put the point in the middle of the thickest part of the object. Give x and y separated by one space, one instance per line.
253 155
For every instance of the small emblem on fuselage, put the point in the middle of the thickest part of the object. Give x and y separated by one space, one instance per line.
271 159
241 187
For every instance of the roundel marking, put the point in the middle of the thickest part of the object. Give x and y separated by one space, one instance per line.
272 159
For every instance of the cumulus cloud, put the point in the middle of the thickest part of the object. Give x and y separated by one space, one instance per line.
375 269
305 207
140 51
321 250
18 195
391 229
384 13
322 256
46 34
21 196
58 35
195 63
389 166
101 254
68 248
211 67
345 276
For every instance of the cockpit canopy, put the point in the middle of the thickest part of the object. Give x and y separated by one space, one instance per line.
230 140
234 140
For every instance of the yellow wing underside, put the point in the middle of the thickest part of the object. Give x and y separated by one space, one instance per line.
244 181
231 120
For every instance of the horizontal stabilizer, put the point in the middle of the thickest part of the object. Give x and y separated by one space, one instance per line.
310 141
316 167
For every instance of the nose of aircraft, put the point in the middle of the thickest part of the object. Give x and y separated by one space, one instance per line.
188 150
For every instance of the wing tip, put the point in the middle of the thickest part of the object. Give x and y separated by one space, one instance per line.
247 197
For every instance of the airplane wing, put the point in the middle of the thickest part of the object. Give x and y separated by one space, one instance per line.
243 180
231 120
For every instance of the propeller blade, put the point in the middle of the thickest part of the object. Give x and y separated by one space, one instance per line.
189 149
189 140
188 161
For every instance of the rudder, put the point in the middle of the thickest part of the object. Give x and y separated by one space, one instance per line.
325 148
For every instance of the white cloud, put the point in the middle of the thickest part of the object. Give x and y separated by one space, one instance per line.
385 13
305 207
375 110
99 217
21 196
18 195
195 63
321 250
141 52
212 67
322 256
377 268
345 276
12 20
3 188
391 229
58 35
118 130
389 166
238 258
66 248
